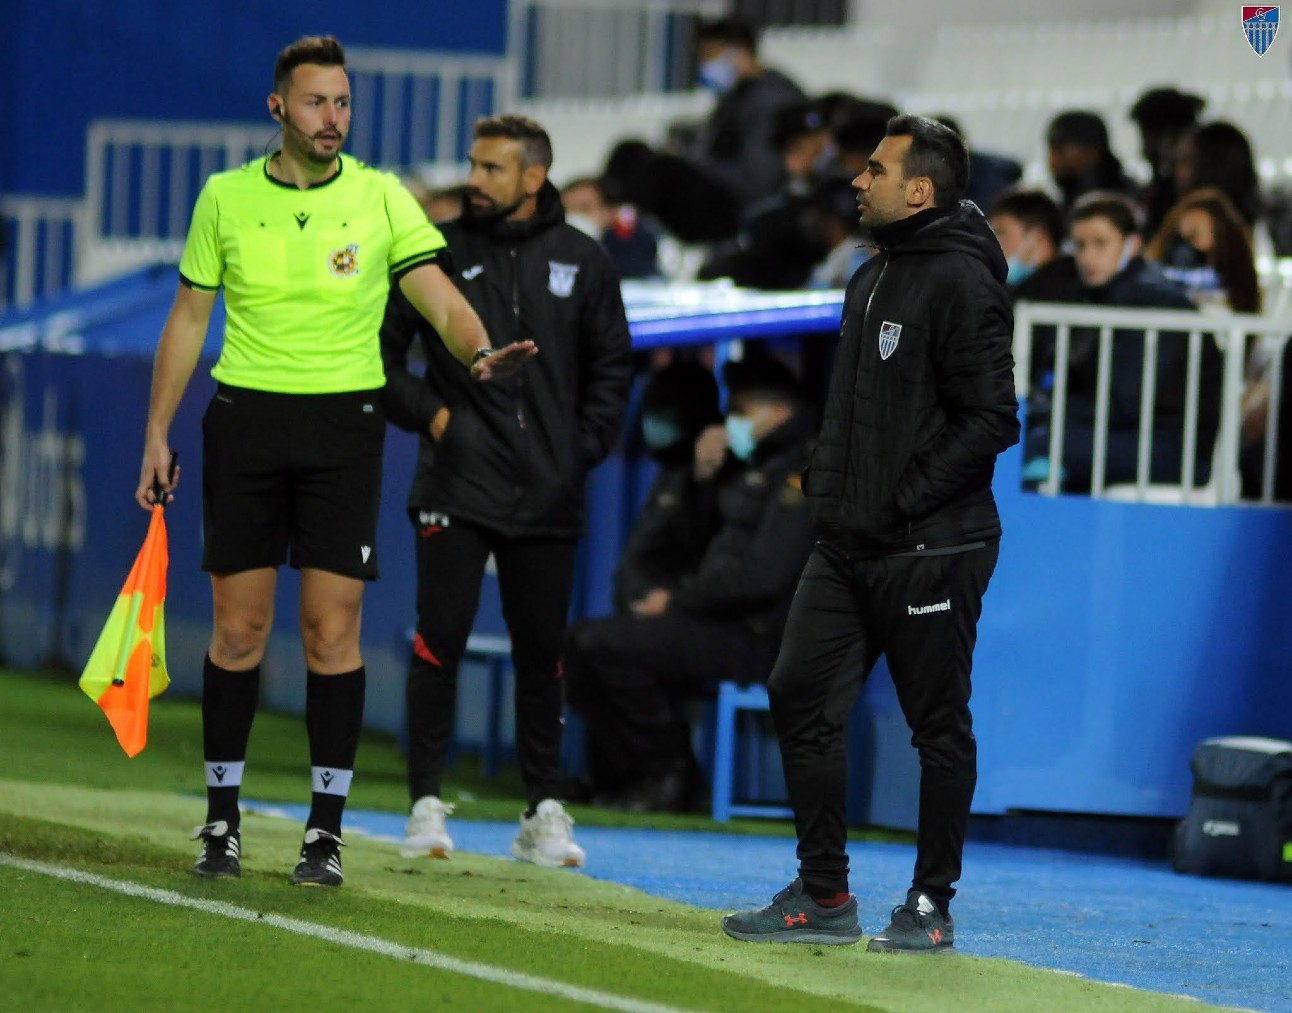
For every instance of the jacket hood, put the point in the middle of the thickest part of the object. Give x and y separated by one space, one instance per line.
963 230
550 211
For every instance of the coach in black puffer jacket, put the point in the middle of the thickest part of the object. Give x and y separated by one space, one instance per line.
921 401
502 471
516 452
922 395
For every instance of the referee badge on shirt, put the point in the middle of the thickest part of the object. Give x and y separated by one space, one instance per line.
889 335
560 278
344 262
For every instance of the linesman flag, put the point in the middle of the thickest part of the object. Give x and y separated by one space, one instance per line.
127 667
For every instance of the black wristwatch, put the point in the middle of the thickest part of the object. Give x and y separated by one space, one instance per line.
481 353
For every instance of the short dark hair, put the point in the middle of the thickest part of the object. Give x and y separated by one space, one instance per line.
535 145
1034 208
937 152
729 32
1120 211
1167 109
1080 127
323 50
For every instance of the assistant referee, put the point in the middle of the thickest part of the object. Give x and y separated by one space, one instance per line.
305 243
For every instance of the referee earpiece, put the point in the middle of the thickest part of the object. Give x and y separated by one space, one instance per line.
277 113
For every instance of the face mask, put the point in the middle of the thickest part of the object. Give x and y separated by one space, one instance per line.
719 75
740 436
1018 271
659 433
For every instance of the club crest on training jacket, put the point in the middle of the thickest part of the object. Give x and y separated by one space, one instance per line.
560 278
889 335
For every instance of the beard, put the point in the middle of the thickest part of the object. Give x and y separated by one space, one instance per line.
305 145
491 210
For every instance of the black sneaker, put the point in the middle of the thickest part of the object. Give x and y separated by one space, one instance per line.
221 848
917 927
794 917
320 863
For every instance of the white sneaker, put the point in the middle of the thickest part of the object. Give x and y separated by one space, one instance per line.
425 834
545 838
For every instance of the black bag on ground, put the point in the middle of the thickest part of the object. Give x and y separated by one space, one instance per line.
1240 816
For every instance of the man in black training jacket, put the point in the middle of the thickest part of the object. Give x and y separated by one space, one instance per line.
920 404
504 473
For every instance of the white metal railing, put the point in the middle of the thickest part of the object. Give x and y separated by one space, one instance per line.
40 247
1232 333
412 107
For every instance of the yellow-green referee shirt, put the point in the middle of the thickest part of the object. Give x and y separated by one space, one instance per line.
306 273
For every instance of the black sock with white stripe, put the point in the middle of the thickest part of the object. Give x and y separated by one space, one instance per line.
333 717
228 709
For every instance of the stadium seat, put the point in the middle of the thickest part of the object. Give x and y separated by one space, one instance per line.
733 700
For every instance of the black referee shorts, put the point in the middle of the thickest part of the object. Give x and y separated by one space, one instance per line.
298 472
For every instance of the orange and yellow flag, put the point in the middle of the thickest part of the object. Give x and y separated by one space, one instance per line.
127 667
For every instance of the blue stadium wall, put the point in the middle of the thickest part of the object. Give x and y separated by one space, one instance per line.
68 62
1114 636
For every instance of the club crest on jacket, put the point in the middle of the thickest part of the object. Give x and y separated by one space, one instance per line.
889 335
560 278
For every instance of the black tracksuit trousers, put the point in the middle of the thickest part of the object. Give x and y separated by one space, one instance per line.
921 612
535 581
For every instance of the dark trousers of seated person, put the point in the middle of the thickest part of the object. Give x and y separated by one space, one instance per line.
921 612
1121 456
629 678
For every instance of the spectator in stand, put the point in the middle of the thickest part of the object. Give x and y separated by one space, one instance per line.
989 174
629 675
1081 160
1106 239
1218 155
669 536
802 135
858 136
1029 226
735 143
1205 246
691 204
776 248
632 244
833 218
1163 116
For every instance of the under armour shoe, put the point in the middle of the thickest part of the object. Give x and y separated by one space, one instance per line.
546 838
794 917
917 927
320 863
425 833
221 849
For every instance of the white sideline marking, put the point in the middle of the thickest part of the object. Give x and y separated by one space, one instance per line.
354 940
